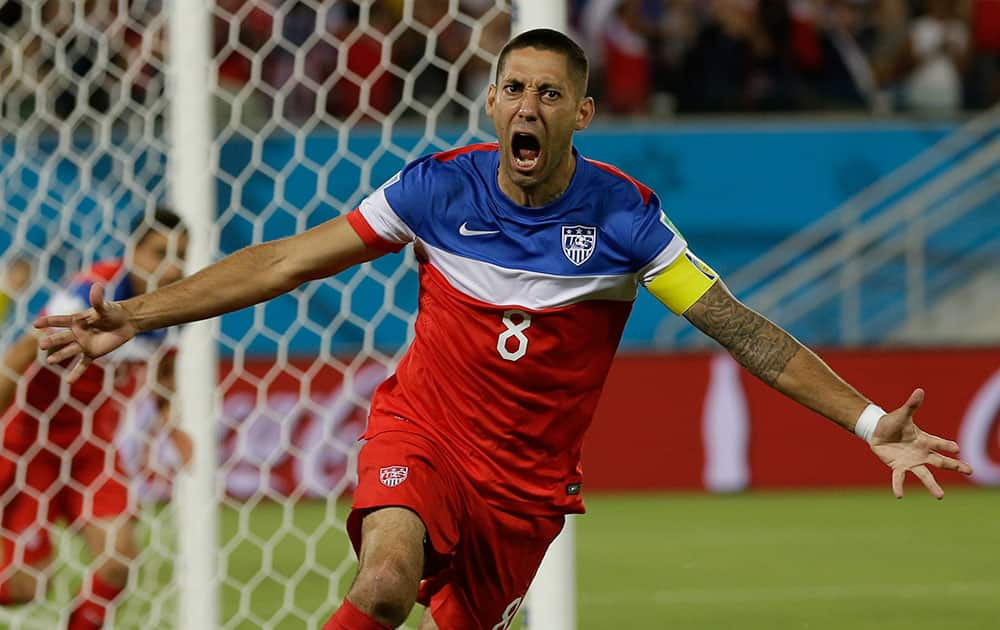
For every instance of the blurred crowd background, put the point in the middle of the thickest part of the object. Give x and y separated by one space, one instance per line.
651 57
934 56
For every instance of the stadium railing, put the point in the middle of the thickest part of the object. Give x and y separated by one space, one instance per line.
886 256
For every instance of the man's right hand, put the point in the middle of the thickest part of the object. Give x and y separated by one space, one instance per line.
89 334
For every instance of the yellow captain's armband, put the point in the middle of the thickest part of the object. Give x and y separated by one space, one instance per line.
682 283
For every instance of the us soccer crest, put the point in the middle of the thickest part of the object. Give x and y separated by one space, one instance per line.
392 476
578 242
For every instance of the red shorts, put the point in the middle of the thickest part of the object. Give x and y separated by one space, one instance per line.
482 559
33 492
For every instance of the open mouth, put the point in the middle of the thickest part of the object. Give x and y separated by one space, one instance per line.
526 150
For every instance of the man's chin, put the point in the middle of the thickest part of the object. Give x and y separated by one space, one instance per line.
529 179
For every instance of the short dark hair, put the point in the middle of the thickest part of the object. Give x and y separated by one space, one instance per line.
162 220
549 39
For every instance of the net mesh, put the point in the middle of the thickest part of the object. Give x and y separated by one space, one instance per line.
315 105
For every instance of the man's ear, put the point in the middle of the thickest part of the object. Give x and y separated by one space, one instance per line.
585 113
491 97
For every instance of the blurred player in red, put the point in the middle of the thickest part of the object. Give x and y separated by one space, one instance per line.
58 458
530 258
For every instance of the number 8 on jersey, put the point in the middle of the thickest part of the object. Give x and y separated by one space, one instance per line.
515 330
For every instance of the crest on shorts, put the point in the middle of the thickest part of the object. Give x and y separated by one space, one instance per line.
578 242
392 476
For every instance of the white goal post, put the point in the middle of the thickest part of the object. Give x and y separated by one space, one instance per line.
192 192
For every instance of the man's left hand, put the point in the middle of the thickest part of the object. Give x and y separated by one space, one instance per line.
903 446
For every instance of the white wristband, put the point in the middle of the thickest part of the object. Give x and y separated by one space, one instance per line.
867 421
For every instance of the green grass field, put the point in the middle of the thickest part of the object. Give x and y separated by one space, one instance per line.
830 560
855 560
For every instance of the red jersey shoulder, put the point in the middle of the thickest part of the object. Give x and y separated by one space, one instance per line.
447 156
645 191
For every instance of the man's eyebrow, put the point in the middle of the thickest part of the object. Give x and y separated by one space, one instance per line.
546 85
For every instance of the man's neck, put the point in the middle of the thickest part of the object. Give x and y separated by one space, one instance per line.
545 192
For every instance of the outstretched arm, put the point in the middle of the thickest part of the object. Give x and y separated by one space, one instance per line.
775 357
778 359
249 276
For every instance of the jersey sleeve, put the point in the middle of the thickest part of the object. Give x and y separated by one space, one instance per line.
655 241
673 274
391 216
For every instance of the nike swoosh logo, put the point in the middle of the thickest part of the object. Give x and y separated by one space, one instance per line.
465 231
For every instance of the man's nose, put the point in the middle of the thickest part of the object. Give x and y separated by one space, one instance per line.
529 105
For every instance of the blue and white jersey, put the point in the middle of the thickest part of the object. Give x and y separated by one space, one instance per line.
601 238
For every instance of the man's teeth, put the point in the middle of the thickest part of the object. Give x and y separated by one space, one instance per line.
526 162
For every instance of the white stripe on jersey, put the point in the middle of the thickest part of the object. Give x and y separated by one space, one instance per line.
534 290
661 261
382 218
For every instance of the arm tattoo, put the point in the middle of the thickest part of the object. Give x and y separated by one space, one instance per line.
754 341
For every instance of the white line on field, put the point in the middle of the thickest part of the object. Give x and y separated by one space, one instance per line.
784 593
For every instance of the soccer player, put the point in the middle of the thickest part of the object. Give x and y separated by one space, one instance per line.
58 458
530 257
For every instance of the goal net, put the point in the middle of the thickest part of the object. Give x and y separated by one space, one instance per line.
314 104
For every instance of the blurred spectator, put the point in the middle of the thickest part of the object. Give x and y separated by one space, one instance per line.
806 16
846 78
420 53
935 59
891 23
299 61
718 65
984 78
252 29
366 85
592 20
773 79
239 35
677 29
627 59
